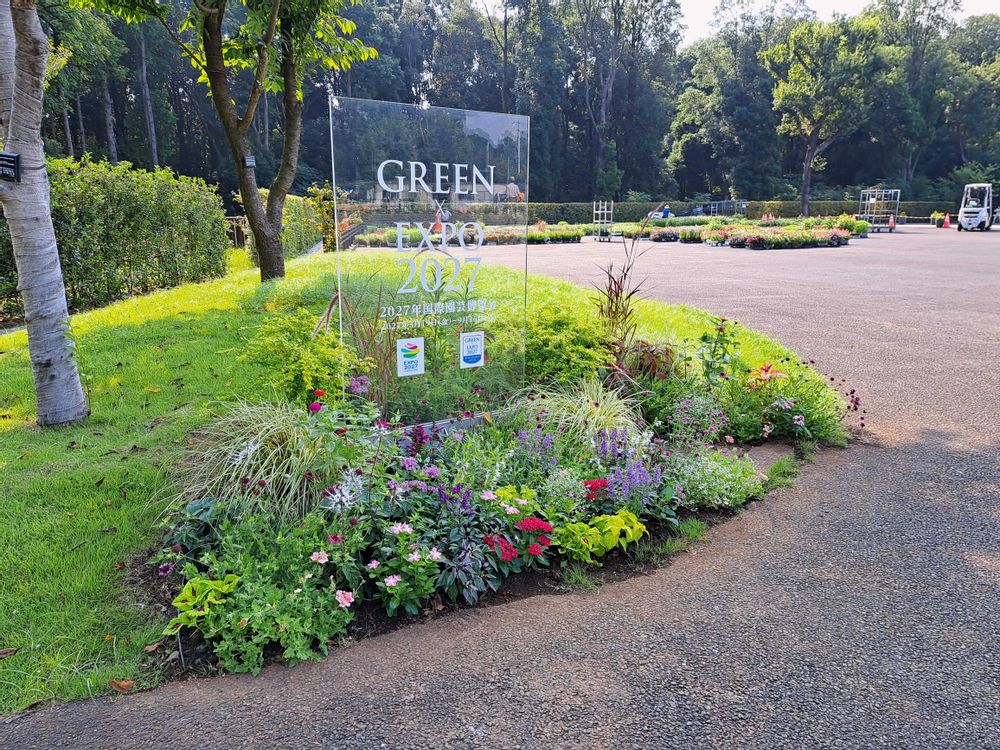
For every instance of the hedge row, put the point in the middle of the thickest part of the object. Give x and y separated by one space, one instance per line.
583 213
124 231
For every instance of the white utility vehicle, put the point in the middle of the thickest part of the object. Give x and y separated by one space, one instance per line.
977 208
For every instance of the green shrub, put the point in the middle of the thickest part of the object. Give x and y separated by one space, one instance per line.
712 479
295 361
562 345
124 231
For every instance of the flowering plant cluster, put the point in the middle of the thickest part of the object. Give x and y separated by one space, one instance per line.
406 574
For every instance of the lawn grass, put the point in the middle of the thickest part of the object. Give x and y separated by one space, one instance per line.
78 502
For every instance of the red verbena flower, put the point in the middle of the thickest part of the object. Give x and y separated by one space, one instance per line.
544 540
490 541
531 523
536 550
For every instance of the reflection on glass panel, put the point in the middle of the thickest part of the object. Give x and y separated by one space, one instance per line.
424 195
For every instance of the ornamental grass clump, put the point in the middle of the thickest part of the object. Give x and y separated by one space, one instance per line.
275 459
582 409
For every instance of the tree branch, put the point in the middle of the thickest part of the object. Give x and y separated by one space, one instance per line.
261 72
185 48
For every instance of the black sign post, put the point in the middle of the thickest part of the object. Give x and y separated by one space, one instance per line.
10 166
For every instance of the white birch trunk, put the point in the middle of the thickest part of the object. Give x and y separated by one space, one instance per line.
27 210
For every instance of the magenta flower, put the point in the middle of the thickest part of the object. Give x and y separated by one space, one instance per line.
344 598
335 539
391 581
315 406
165 569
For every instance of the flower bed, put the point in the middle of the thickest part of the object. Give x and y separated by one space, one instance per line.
493 236
292 515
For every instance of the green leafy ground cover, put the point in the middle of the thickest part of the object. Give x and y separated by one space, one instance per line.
79 502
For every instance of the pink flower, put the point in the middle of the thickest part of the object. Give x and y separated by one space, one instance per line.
511 510
435 554
413 557
315 406
344 598
320 557
487 495
391 581
401 528
433 472
520 501
335 539
373 564
730 439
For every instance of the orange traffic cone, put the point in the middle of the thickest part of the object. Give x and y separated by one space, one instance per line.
947 221
892 222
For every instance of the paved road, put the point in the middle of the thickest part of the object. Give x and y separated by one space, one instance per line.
856 610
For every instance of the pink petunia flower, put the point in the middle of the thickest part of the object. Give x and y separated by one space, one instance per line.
344 598
320 557
487 495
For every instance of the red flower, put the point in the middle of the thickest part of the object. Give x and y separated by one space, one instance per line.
490 541
594 487
507 550
544 540
535 549
319 393
530 523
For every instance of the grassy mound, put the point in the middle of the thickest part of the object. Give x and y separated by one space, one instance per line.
78 502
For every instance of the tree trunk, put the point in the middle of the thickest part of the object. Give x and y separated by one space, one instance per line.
109 122
68 134
27 210
147 100
79 125
265 224
807 175
6 67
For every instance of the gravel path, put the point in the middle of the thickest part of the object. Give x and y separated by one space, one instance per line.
856 610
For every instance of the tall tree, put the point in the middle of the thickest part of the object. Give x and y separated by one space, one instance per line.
147 100
824 90
24 51
277 42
